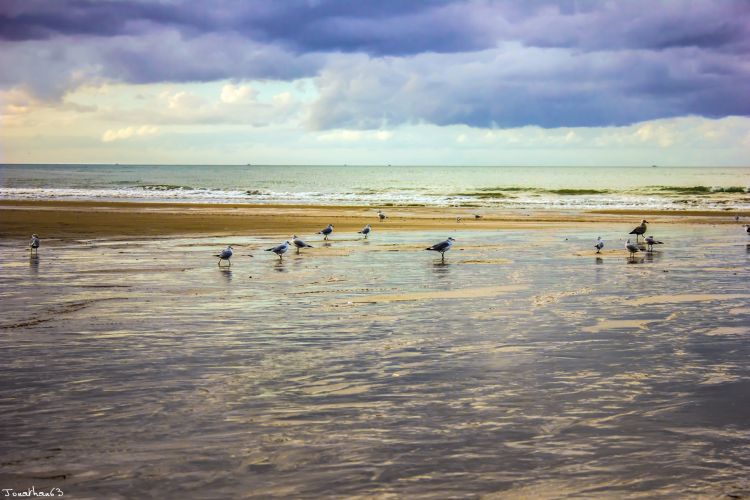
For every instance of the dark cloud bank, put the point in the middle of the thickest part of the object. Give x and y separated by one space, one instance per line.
574 63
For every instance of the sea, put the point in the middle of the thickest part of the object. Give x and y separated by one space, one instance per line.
654 187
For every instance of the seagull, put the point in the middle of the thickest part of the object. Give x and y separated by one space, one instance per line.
326 232
477 216
650 241
632 248
299 243
382 216
34 244
640 230
442 247
747 228
599 244
365 230
279 250
225 254
458 219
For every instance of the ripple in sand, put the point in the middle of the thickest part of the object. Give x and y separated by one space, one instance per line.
689 297
486 261
549 298
616 324
342 389
728 330
464 293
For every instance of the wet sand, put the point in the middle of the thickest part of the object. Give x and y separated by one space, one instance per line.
92 219
524 366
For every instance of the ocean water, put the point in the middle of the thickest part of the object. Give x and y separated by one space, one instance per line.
717 188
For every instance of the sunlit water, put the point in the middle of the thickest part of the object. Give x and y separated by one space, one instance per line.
140 369
532 187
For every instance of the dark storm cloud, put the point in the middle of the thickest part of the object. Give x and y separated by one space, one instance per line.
391 27
479 63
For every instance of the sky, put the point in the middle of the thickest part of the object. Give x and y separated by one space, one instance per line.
530 82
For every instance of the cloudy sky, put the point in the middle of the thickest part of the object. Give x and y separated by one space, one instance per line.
529 82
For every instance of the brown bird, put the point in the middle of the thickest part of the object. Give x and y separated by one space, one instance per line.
640 230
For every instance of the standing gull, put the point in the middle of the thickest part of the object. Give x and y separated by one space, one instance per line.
225 254
279 250
442 247
599 244
365 230
34 244
382 216
326 232
299 243
747 228
650 241
632 248
640 230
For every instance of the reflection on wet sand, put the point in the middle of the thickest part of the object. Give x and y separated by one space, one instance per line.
34 265
377 371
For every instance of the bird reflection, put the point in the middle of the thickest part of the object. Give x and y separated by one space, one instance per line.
279 266
440 268
34 264
326 244
226 272
599 260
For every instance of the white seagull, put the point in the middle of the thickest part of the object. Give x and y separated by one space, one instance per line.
299 243
599 244
326 232
442 247
650 241
365 230
640 230
225 254
34 244
747 228
279 250
382 216
632 248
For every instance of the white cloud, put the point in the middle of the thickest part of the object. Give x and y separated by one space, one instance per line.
283 100
661 134
344 135
341 136
184 101
383 135
231 94
128 132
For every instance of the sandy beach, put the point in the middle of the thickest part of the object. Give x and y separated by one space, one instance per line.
75 219
524 365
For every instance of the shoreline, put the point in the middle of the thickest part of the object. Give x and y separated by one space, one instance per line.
53 218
